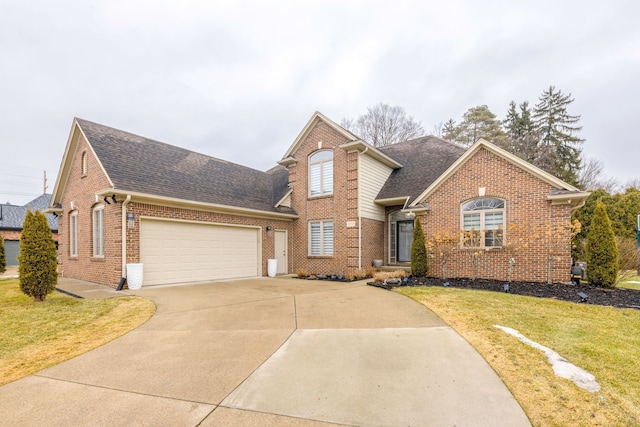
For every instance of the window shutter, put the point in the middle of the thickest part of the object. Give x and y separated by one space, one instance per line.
327 177
492 220
471 221
314 180
315 238
327 238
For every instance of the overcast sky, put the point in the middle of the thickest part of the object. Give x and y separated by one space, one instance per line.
239 80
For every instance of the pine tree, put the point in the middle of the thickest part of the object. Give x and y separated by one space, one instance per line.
602 252
419 261
37 267
479 122
559 150
3 256
521 137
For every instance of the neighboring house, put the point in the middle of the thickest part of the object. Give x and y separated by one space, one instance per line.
332 205
11 220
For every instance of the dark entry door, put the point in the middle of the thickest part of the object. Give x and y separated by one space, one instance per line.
405 238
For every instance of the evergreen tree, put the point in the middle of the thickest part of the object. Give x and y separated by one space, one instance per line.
478 122
521 137
602 252
419 261
559 149
38 259
450 130
3 256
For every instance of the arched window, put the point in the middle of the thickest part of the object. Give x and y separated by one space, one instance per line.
321 173
84 164
483 222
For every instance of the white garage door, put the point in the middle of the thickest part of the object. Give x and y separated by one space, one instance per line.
175 252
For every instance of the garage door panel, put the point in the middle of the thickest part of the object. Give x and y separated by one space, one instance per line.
173 252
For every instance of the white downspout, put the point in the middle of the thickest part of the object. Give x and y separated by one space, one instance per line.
359 214
124 235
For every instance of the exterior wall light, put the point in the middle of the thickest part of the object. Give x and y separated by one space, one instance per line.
130 222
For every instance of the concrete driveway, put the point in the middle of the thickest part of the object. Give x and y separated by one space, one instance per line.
272 351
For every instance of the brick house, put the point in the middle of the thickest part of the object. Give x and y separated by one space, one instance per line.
11 220
333 204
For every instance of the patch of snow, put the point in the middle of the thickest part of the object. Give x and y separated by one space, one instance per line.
561 366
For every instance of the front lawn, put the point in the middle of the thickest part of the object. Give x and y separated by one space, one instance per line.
605 341
631 283
34 336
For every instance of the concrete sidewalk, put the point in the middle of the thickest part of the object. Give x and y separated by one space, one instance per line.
269 351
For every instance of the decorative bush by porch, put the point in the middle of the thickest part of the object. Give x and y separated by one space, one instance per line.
419 263
38 259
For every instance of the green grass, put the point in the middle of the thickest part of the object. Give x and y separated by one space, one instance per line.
34 336
630 283
602 340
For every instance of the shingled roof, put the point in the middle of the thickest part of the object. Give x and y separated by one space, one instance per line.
423 161
12 217
141 165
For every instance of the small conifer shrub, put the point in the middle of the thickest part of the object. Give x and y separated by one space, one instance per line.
3 256
38 264
602 251
419 260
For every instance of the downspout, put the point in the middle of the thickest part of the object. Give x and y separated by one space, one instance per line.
359 215
124 242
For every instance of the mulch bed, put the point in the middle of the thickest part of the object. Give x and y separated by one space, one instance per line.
616 297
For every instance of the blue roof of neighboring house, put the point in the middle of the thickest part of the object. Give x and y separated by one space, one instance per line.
12 217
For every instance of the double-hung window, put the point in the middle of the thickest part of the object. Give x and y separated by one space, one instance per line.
321 238
321 173
98 231
483 222
73 234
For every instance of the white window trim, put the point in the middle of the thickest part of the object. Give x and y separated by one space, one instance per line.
73 234
321 164
97 221
323 251
482 213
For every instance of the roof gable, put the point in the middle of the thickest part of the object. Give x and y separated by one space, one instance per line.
558 184
315 118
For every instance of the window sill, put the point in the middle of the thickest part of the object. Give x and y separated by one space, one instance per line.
322 196
319 256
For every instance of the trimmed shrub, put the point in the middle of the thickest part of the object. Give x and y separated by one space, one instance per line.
3 256
602 252
38 259
419 260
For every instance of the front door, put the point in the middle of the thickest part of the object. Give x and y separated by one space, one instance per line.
405 238
280 238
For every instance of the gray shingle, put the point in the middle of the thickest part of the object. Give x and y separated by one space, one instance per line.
12 217
139 164
423 161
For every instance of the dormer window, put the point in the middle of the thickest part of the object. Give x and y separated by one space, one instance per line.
321 173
